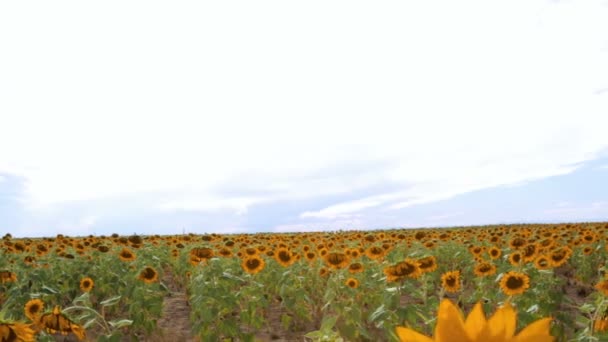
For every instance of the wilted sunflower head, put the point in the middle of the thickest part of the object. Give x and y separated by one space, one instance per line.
427 264
86 284
336 260
148 275
484 269
408 268
33 309
355 267
16 332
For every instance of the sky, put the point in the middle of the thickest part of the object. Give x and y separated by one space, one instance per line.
150 117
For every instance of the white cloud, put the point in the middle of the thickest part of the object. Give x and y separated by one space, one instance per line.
579 212
238 205
457 96
333 225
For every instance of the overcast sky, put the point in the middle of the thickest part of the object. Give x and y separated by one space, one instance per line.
240 116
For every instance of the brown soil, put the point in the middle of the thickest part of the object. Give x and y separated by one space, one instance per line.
174 324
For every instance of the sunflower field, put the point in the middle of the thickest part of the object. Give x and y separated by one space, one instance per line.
535 282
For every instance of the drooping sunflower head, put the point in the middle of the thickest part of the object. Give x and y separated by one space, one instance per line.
148 275
336 260
355 267
33 309
484 269
126 255
517 242
86 284
16 331
253 264
408 268
513 283
427 264
451 281
7 277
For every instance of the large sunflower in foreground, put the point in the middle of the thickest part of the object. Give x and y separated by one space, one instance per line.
16 332
452 327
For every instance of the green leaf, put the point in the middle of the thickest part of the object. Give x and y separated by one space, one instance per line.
120 324
111 301
328 323
379 311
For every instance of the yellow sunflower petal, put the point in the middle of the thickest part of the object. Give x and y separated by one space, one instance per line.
501 326
475 322
409 335
536 331
450 324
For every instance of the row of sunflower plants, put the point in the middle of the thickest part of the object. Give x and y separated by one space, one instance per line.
67 286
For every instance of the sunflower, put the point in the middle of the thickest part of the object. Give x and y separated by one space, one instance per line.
427 264
33 308
323 272
126 255
602 286
16 331
484 269
600 324
451 326
515 258
56 322
336 260
542 262
310 256
374 252
513 283
517 243
352 283
355 267
451 281
225 252
406 268
284 257
7 277
86 284
253 264
560 256
148 275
